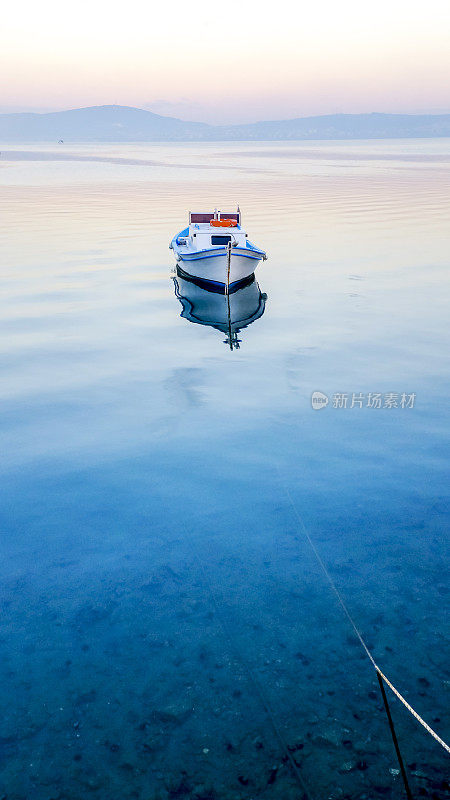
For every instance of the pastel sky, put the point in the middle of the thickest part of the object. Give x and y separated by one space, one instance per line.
233 61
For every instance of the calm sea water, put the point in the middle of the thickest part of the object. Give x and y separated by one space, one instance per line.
166 629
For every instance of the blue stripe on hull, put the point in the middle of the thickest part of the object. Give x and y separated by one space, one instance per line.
215 286
212 254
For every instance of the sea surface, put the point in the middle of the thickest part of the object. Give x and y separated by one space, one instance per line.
167 630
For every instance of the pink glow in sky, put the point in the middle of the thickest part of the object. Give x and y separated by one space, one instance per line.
227 63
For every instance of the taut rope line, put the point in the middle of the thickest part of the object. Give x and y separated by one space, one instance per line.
353 624
394 737
412 711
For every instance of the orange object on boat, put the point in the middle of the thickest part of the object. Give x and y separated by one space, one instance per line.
223 223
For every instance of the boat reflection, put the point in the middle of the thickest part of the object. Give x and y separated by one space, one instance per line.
228 313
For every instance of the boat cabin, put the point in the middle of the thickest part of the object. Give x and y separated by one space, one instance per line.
215 229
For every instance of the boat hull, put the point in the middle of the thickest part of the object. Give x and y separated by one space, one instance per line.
213 269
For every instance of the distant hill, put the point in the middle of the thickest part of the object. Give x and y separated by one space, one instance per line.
98 124
127 124
345 126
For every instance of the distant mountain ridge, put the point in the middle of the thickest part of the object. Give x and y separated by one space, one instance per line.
128 124
97 124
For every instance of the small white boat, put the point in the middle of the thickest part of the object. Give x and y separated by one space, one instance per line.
228 314
216 250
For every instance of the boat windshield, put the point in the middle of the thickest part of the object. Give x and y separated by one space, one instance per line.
216 240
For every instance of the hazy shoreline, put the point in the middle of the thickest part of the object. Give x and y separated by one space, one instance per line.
128 124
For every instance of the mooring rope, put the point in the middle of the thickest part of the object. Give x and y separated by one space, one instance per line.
353 624
394 738
412 711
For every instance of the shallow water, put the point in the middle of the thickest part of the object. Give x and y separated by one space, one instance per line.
166 630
